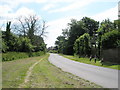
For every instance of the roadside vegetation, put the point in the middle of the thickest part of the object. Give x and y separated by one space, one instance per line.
92 62
9 56
23 39
44 75
92 39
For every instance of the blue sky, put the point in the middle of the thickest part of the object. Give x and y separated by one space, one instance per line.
57 13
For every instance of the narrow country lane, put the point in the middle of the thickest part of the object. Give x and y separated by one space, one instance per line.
108 78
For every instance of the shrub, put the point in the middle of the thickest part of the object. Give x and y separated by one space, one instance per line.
26 45
13 56
82 45
33 54
9 56
4 47
111 39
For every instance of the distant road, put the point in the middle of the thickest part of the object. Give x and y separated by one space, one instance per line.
107 78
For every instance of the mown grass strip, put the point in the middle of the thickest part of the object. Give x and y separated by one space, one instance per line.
14 72
29 72
46 75
92 62
43 75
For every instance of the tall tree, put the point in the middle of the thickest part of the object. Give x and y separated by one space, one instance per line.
31 26
65 33
106 26
75 31
8 31
60 43
90 25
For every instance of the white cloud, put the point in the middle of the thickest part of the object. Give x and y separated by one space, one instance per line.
5 9
39 1
106 0
72 4
15 3
24 12
75 5
61 1
111 13
48 6
53 3
20 12
11 16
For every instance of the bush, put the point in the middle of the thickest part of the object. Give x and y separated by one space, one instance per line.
13 56
26 45
111 39
4 47
82 45
53 51
9 56
33 54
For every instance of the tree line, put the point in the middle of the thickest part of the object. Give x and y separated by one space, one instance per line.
88 37
25 35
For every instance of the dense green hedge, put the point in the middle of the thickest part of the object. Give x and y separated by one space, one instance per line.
111 39
82 45
9 56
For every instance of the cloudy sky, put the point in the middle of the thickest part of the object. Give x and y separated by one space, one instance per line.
57 13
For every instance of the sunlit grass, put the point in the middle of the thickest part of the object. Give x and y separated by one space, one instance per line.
87 61
46 75
43 75
14 72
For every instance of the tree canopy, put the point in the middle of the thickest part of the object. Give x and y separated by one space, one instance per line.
27 36
88 37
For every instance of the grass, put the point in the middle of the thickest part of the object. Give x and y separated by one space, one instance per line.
87 61
9 56
14 72
44 75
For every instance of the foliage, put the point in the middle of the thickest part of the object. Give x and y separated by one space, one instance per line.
25 45
4 46
33 54
74 31
111 39
9 56
21 46
90 25
117 24
8 32
82 45
29 38
106 26
53 51
60 43
88 37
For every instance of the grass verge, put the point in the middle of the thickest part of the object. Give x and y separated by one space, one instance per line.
43 75
14 72
87 61
46 75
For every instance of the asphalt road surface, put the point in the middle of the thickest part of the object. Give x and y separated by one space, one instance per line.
107 78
